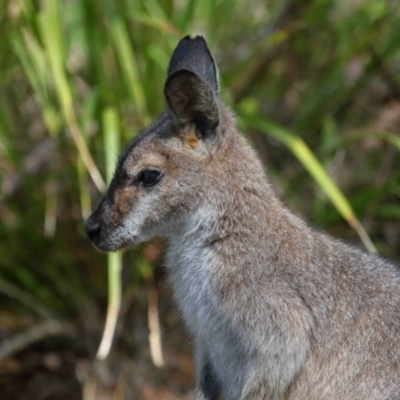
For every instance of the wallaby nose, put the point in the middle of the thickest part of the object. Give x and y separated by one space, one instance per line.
93 228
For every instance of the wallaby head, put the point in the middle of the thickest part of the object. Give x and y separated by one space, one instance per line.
161 175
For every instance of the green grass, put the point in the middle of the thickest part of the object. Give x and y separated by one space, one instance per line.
316 88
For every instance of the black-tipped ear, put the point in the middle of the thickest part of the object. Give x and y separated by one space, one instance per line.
194 55
192 101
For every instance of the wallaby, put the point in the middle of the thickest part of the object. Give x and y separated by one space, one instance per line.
277 310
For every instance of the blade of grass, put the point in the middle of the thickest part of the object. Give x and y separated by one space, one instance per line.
127 60
297 146
155 343
114 264
111 146
34 62
87 116
52 38
84 197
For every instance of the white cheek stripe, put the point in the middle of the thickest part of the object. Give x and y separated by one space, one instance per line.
132 223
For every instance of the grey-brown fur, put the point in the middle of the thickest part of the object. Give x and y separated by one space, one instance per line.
277 310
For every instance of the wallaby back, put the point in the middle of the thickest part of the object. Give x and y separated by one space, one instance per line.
277 310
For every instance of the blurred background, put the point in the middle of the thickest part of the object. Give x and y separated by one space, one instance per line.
316 86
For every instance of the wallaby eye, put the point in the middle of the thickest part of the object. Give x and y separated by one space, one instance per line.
149 177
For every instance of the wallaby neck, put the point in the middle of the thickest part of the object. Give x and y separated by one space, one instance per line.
239 211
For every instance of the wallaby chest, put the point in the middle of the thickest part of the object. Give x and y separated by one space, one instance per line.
193 273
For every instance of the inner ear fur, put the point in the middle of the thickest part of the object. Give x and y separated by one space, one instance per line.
192 101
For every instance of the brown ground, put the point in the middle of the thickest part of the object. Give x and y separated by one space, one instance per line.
64 368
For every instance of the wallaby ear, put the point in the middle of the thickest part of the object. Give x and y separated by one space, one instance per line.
194 55
192 101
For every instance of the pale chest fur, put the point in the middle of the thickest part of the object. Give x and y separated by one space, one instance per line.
191 266
190 275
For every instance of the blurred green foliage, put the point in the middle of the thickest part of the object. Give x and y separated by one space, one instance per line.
316 86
